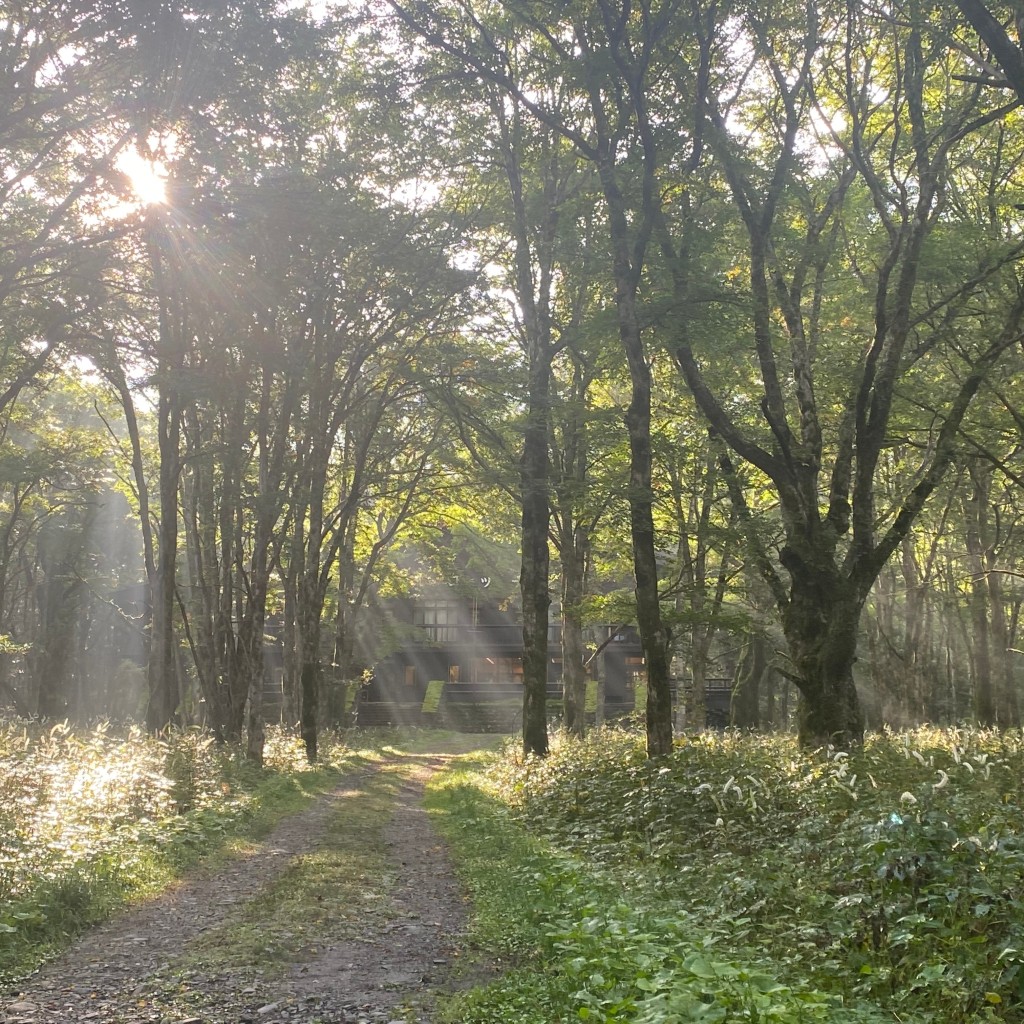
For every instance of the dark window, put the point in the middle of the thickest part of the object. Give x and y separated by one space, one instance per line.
634 671
439 620
497 670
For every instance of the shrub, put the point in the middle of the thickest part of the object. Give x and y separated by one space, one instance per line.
883 881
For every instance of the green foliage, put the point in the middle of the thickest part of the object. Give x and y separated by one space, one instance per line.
89 821
742 879
432 698
593 954
189 765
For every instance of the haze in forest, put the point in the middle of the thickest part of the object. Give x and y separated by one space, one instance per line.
341 334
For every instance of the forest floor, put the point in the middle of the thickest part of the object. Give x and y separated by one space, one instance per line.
347 913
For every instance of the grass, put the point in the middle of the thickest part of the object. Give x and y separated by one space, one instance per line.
739 879
743 880
517 884
290 919
92 821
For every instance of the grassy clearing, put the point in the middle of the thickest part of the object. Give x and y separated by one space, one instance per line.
742 880
92 821
437 742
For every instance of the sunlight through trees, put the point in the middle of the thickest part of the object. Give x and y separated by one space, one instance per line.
707 315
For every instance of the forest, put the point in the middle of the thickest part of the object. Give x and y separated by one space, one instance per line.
704 318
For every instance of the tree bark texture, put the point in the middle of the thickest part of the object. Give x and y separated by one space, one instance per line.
534 576
164 696
533 267
653 636
820 622
745 709
310 692
574 679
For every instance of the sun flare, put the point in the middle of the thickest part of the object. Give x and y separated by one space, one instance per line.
148 178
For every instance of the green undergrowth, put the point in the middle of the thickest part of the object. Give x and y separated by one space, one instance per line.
93 820
741 879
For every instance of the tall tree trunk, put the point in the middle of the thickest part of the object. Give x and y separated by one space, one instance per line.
309 606
233 614
200 517
745 712
574 680
1008 703
115 374
290 649
533 281
535 561
911 704
975 507
820 624
697 698
310 677
770 688
164 696
345 626
653 636
253 640
693 497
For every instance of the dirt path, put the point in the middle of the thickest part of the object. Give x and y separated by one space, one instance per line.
379 967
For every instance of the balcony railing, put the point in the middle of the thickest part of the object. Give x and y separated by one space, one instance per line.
486 637
503 635
446 634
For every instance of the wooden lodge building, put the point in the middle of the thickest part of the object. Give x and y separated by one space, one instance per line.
458 662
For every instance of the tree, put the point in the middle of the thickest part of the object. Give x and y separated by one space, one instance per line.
529 196
533 279
705 540
791 283
219 113
580 500
1005 52
731 130
373 302
523 56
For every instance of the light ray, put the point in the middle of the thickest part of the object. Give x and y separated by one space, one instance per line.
148 178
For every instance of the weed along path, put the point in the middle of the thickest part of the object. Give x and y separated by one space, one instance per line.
347 913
